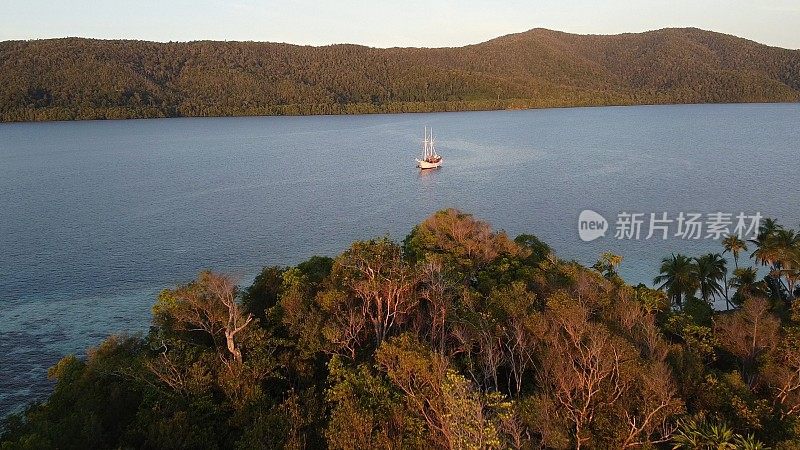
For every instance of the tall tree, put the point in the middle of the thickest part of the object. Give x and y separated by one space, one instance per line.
378 276
745 281
678 278
711 271
734 245
748 334
209 304
779 249
608 264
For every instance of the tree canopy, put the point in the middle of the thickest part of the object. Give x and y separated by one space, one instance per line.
73 78
459 337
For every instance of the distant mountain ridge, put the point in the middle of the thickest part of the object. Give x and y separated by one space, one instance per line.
76 78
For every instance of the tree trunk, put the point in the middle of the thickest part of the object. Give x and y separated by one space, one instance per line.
237 354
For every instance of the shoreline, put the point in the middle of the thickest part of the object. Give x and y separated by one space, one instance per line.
377 113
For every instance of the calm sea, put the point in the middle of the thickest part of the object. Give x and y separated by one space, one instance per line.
97 217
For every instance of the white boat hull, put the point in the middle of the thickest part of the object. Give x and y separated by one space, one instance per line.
429 165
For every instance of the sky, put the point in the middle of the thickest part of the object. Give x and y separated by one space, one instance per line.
431 23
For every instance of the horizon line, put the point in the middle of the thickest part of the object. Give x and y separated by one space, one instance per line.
333 44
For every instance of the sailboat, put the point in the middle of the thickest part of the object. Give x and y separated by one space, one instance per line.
430 159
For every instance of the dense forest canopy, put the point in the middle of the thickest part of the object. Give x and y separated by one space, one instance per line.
73 78
459 337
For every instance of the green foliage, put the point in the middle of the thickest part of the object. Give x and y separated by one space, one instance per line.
678 277
316 268
698 338
608 264
651 299
539 251
264 292
67 79
710 270
465 245
456 414
745 281
459 338
699 310
366 409
93 403
472 418
728 398
699 434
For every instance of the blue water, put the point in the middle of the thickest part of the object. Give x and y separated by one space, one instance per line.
97 217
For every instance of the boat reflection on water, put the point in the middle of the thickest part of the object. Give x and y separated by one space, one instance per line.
429 189
428 175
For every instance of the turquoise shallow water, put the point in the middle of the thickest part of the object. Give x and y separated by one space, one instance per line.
97 217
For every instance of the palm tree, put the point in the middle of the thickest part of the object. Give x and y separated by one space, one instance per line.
734 245
791 268
699 434
767 227
607 264
711 271
778 248
765 252
745 281
677 277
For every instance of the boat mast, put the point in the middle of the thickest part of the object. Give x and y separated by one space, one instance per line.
425 144
428 139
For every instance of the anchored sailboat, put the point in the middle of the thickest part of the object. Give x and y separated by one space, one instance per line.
430 159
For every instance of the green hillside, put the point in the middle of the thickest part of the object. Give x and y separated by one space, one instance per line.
73 78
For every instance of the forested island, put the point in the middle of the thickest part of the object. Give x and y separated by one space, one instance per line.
458 337
75 78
